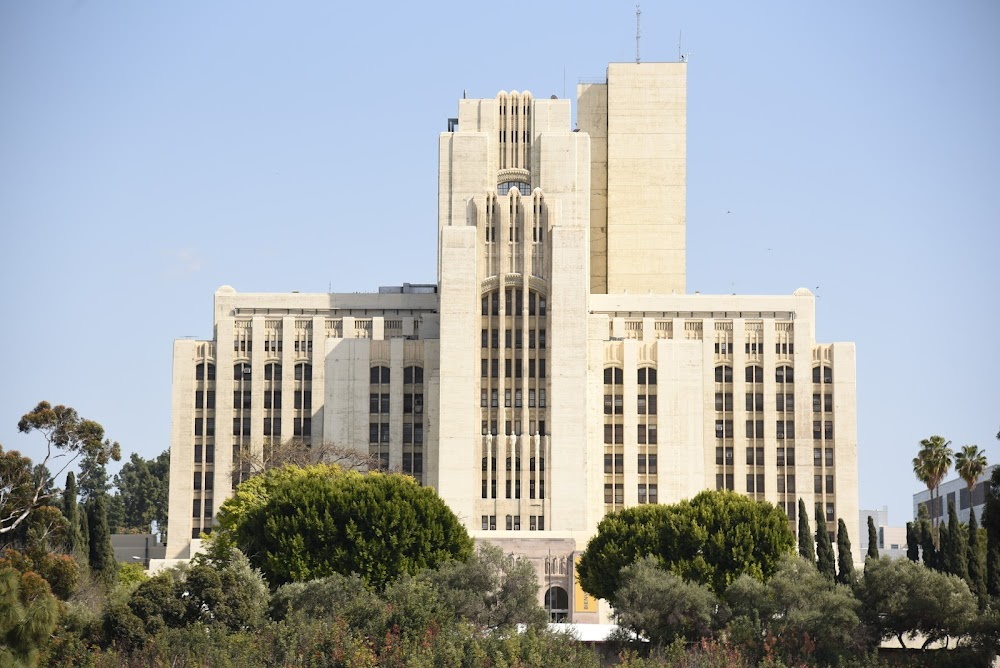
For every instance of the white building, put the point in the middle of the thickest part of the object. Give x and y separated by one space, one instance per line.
557 371
957 492
891 541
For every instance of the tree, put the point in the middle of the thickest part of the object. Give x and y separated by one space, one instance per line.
71 509
954 559
977 561
970 462
144 489
102 555
253 461
298 524
903 599
824 548
491 590
711 539
93 480
660 606
622 538
845 559
873 538
912 542
931 466
18 494
30 613
67 437
807 549
925 534
798 610
991 522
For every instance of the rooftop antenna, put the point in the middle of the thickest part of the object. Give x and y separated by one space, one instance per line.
681 56
638 13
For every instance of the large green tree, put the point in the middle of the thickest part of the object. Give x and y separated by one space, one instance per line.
143 485
931 466
29 615
67 438
711 539
825 561
298 524
904 599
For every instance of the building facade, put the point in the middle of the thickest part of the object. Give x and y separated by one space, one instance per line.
956 492
557 371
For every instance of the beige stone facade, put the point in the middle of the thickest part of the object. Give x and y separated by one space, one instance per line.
557 371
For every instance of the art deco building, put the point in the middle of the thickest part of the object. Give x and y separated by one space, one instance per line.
557 371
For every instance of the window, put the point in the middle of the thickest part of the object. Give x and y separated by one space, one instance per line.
829 484
724 481
822 374
755 402
828 456
786 402
723 374
724 401
724 456
241 371
755 374
303 372
204 371
784 374
723 428
755 429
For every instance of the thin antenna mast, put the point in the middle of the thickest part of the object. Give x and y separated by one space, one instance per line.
680 51
638 13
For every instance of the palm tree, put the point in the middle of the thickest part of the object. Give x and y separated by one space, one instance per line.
931 466
970 464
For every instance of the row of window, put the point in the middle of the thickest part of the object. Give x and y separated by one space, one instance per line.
512 368
413 433
822 429
614 464
614 493
243 371
782 374
490 428
514 303
491 487
517 463
513 523
784 456
512 338
494 397
614 434
724 348
783 402
645 404
412 375
378 403
614 375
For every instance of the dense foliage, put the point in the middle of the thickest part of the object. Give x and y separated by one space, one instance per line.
299 524
711 539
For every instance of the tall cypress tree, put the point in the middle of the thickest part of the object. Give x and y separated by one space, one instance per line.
825 561
925 534
102 555
991 521
955 559
806 548
84 536
71 510
912 543
873 537
977 561
845 559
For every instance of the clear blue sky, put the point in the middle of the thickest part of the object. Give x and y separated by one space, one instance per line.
153 151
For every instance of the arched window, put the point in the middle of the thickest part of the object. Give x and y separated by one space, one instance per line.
723 374
507 186
303 371
272 371
241 371
557 604
755 374
784 374
204 371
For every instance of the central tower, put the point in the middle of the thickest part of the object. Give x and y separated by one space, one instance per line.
514 221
